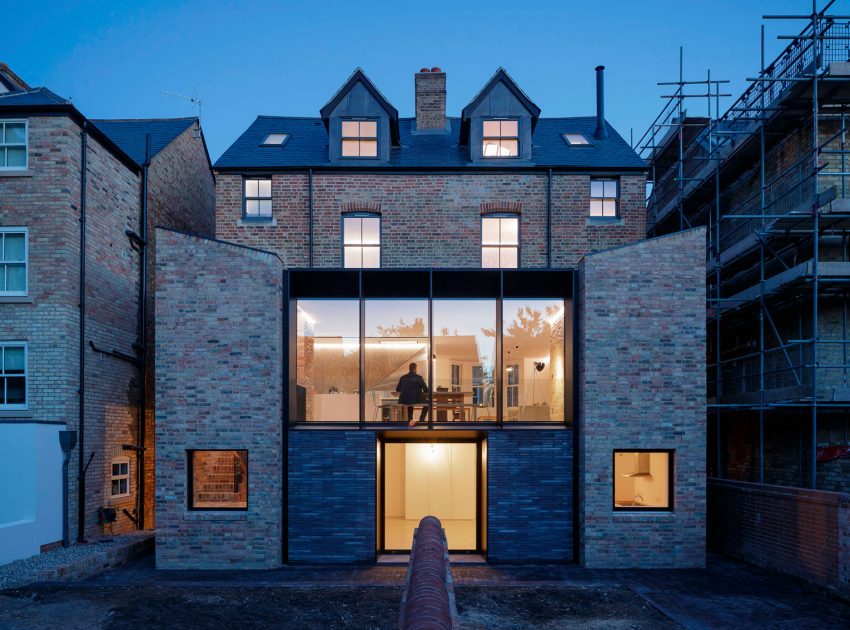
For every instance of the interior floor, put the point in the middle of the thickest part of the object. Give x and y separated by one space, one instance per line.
398 533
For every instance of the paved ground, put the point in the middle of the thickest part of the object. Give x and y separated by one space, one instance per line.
726 595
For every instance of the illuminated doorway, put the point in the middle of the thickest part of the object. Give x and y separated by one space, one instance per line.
430 478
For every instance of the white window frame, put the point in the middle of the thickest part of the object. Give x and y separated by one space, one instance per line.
26 143
4 264
361 245
25 405
117 461
499 139
605 198
260 217
500 245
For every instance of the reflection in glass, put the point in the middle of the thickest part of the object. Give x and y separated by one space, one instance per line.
328 360
396 336
464 360
533 353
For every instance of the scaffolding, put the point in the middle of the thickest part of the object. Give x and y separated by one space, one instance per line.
768 178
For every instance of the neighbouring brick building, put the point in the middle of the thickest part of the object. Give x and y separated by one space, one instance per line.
454 316
72 198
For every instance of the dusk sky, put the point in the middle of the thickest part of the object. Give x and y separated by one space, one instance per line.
288 58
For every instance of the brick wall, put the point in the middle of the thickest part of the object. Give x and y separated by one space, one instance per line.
805 533
642 385
429 220
219 369
332 488
530 496
181 195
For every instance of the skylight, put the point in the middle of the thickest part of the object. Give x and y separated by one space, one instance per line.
576 139
275 139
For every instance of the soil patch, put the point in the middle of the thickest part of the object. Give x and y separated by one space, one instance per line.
183 607
540 607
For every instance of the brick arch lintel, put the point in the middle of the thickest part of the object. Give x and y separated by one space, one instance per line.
360 206
501 207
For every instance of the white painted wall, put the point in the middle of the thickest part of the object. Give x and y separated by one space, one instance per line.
30 488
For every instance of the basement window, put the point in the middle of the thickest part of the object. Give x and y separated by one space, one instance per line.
218 480
576 139
275 140
643 480
120 477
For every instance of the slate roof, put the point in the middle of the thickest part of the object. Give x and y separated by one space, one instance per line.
307 146
34 96
130 135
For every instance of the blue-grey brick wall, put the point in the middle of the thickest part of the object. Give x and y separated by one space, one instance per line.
530 496
332 486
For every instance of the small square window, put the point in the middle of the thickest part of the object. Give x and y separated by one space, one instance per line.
218 480
500 138
275 139
576 139
359 138
643 480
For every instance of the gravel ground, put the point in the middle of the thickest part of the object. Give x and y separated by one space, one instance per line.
25 571
364 608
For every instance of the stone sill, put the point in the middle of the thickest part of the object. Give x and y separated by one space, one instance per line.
26 173
257 222
15 299
644 517
201 515
603 222
21 413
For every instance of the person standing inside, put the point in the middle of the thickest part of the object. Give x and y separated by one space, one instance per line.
411 390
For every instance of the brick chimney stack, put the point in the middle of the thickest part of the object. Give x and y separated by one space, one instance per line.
430 99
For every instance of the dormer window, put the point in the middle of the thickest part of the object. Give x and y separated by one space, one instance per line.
275 140
500 139
576 139
360 138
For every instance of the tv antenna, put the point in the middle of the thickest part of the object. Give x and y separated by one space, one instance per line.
194 100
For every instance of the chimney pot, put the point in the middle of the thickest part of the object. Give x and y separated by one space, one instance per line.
430 91
601 132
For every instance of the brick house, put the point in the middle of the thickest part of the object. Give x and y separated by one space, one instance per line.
73 194
557 407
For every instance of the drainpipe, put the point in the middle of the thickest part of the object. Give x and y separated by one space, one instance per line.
310 204
67 441
549 219
81 472
143 329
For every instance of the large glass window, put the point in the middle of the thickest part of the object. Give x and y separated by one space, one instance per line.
464 360
396 338
643 480
604 197
500 242
13 375
328 361
13 261
500 138
359 138
361 241
13 145
533 355
258 198
218 480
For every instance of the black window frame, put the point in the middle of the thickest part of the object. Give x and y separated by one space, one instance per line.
359 139
616 198
190 481
500 246
361 215
671 490
245 199
484 138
